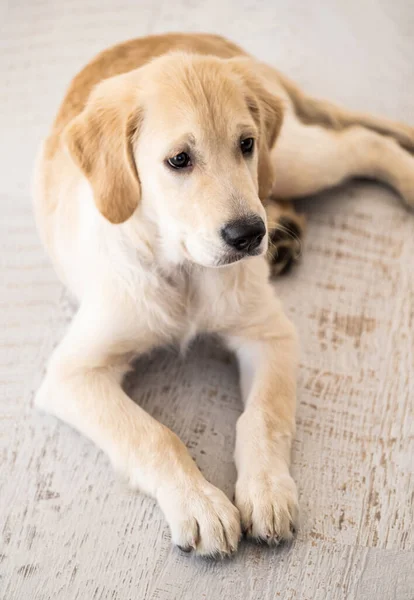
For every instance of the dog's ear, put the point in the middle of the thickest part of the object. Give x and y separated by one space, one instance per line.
271 117
100 140
267 111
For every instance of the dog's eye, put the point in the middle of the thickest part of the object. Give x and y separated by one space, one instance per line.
180 161
247 145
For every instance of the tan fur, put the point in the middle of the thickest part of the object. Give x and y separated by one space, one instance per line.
143 248
116 60
111 112
313 111
100 140
269 116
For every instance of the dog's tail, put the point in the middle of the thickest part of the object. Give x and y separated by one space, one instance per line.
313 111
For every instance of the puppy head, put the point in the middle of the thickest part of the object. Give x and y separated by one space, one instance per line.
187 139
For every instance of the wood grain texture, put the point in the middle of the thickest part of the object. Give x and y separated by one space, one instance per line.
69 528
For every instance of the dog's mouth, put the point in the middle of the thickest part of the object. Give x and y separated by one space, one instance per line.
229 259
234 257
226 258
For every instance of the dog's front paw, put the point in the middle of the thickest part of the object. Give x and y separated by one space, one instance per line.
202 519
268 506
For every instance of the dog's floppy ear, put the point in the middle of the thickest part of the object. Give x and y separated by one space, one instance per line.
100 141
267 111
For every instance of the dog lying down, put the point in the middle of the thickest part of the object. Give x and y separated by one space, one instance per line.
156 198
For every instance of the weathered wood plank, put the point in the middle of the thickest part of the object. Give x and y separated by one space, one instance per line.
68 527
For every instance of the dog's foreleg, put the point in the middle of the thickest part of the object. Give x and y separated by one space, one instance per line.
265 492
82 387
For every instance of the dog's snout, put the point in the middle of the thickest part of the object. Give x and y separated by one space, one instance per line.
245 235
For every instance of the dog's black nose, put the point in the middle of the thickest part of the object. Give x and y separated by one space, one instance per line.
244 234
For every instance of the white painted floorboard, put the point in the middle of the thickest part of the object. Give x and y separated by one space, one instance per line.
69 528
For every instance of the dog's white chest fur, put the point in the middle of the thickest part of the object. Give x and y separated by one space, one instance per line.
207 300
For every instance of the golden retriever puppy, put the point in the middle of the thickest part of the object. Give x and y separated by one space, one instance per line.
149 198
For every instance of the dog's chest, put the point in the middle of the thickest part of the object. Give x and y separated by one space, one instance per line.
200 301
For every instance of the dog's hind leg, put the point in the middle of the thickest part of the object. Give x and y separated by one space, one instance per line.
311 158
316 111
286 230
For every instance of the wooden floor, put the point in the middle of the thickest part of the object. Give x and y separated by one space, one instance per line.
69 528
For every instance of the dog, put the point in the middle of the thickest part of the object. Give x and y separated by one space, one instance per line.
163 182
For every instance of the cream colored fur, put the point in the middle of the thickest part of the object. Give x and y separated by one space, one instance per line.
154 277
